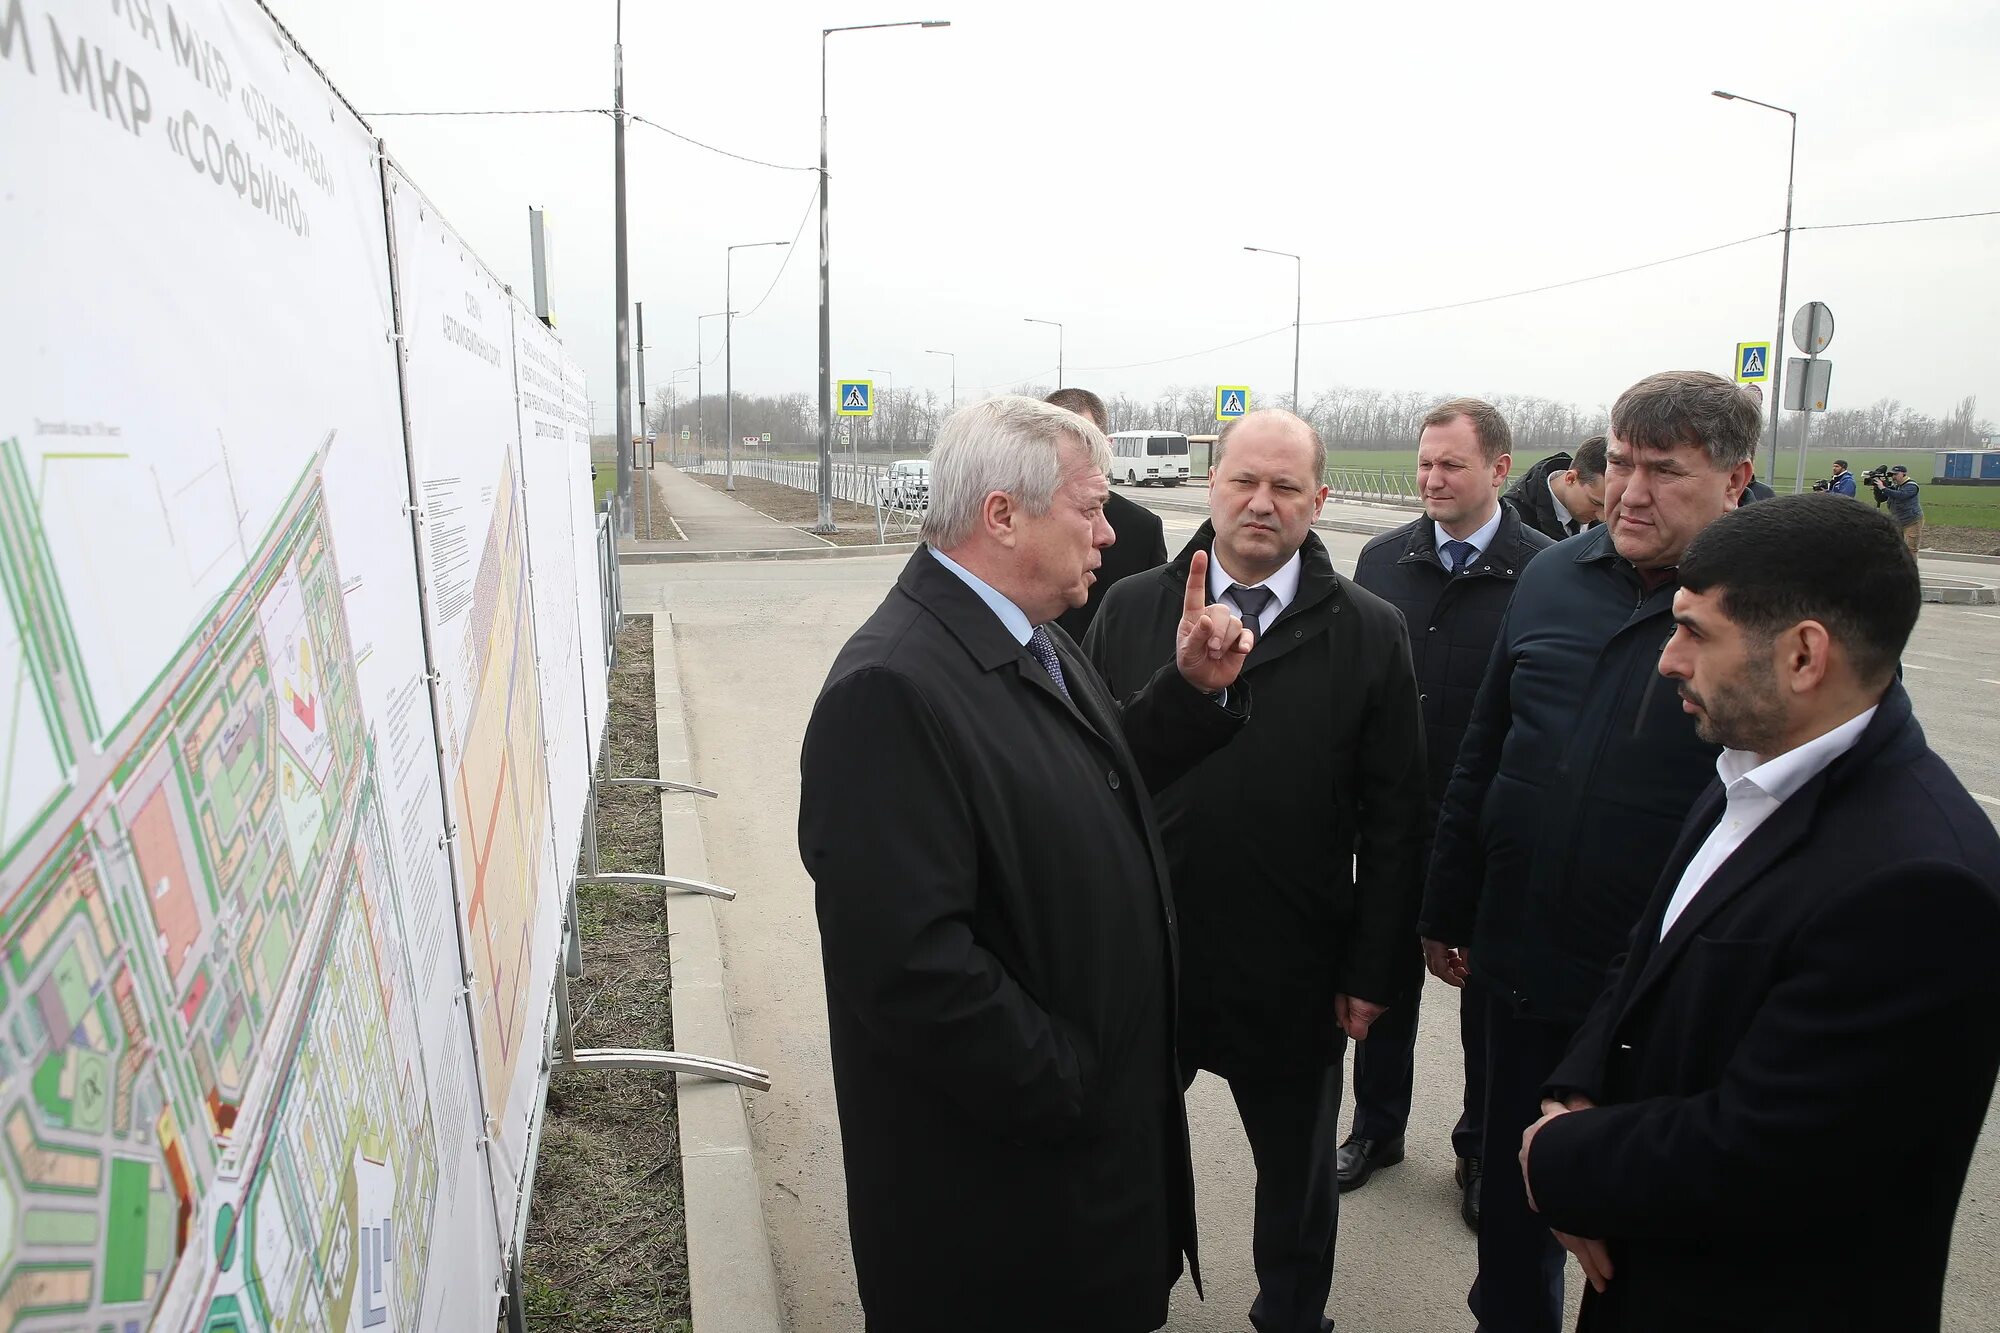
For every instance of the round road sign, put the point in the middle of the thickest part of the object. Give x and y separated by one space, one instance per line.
1812 328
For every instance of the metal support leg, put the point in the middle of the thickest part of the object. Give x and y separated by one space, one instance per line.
643 880
702 1066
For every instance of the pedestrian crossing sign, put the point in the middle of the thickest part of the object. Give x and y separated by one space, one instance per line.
1232 401
854 398
1753 363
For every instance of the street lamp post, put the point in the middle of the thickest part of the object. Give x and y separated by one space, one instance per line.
825 523
954 373
880 401
1298 310
1030 319
728 368
1784 274
700 432
621 281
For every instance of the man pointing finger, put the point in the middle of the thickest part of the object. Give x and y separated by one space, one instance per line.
1293 850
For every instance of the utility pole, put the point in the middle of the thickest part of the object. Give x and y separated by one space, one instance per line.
623 295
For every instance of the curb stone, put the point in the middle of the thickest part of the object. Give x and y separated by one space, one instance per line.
732 1285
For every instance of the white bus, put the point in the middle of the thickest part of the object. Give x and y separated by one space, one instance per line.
1142 457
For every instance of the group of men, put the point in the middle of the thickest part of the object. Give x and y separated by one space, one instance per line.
1601 755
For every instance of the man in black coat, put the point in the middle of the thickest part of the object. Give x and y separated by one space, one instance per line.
1562 495
1815 965
1570 788
1451 574
1294 850
995 918
1139 540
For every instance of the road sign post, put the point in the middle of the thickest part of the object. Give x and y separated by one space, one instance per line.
1232 401
1808 379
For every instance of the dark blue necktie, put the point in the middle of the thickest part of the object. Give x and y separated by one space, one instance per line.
1251 602
1458 555
1044 649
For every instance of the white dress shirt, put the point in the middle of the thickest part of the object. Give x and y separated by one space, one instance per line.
1563 516
1012 616
1480 540
1283 586
1753 793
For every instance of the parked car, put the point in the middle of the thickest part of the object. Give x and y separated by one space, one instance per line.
906 485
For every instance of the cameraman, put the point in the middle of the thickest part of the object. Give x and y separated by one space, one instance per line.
1842 482
1901 493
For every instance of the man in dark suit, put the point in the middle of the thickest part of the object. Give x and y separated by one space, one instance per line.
1294 850
994 913
1562 495
1569 790
1451 573
1139 541
1815 965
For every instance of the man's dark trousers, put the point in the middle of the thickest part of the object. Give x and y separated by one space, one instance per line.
1293 1123
1385 1069
1520 1283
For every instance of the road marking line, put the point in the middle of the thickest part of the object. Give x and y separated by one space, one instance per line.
1985 615
1987 799
1988 680
1942 657
1912 666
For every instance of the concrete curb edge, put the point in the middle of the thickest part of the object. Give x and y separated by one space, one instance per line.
732 1284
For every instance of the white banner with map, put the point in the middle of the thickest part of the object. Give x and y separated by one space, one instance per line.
240 1088
464 434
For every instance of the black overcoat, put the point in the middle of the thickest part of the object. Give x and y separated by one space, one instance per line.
1577 769
1453 620
1140 544
997 932
1530 500
1295 851
1831 987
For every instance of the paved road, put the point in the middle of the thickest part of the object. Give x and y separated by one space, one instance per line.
755 641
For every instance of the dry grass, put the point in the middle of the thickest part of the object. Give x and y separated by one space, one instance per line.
801 509
607 1239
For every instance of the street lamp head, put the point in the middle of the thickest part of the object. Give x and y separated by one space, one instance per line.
935 23
1727 97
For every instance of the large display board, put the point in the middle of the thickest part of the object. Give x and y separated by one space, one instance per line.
243 1081
465 428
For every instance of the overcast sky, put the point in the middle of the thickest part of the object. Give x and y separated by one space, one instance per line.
1104 165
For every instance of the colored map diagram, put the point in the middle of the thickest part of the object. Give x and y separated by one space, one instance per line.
500 792
212 1102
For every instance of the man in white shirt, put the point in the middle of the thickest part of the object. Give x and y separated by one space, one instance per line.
1799 984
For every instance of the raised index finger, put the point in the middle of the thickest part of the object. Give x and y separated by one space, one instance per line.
1196 598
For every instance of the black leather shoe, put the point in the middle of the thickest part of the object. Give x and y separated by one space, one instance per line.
1359 1159
1470 1176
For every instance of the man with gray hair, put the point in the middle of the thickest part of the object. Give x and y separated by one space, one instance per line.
998 937
1571 784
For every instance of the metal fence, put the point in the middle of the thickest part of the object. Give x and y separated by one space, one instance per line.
610 592
867 483
859 483
1373 483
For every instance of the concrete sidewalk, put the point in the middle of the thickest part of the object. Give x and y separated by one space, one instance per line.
714 522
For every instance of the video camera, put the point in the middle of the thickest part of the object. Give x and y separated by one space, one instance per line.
1823 484
1877 477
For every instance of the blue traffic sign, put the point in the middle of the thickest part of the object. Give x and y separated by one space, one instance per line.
1753 363
854 398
